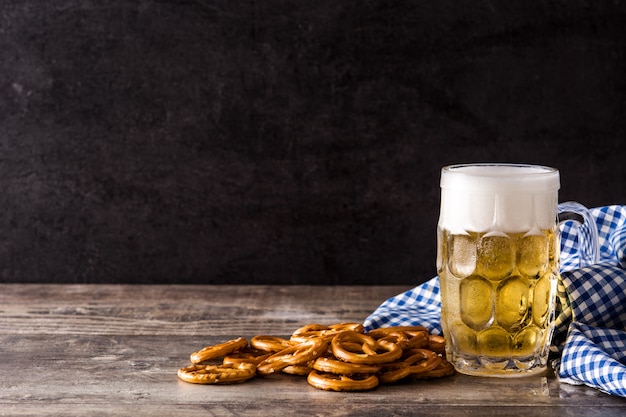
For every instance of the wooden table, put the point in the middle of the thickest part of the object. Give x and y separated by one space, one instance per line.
115 349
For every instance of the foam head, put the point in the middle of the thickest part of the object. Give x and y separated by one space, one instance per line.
498 197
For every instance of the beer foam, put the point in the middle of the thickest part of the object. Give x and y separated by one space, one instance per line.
498 197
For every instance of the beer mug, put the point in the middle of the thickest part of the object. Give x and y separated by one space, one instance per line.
498 248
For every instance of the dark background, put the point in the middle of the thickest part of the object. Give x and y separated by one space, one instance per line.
285 142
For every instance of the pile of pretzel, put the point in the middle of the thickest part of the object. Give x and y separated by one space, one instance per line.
339 357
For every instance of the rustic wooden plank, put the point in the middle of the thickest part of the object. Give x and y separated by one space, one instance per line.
181 310
110 350
125 372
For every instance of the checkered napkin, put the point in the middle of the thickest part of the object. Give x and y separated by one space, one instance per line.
590 328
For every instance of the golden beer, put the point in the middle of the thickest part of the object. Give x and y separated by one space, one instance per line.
497 261
504 287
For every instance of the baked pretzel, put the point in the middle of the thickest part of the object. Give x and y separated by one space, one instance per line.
293 355
340 357
332 382
327 332
369 353
310 330
400 329
422 360
301 370
340 327
270 343
399 338
217 374
444 369
436 344
417 336
215 351
418 340
247 354
334 366
392 372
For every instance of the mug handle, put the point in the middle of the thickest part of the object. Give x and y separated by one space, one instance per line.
587 231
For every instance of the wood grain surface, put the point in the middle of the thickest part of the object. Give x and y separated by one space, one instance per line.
69 350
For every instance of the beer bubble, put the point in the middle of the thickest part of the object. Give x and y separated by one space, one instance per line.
515 197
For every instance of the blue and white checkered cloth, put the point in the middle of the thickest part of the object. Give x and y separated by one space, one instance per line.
590 328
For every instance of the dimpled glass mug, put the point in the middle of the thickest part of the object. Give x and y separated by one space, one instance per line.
498 247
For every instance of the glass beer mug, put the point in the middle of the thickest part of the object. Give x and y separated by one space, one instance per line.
498 249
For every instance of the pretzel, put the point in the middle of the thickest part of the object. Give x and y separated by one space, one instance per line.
407 337
444 369
369 349
334 366
399 338
339 357
392 372
215 351
327 332
293 355
217 374
310 330
400 329
302 370
247 354
332 382
355 327
270 343
436 344
422 360
418 340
